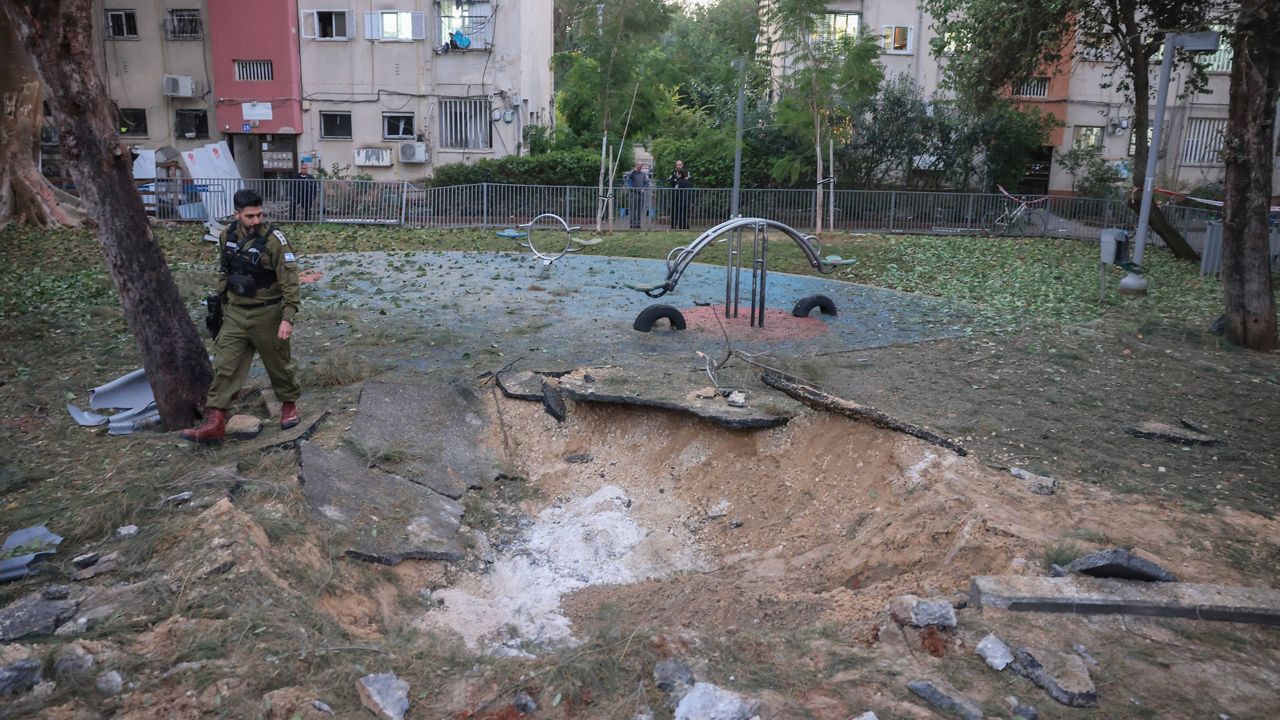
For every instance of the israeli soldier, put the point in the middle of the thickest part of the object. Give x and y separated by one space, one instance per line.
258 285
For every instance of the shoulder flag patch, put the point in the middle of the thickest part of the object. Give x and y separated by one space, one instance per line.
290 257
280 236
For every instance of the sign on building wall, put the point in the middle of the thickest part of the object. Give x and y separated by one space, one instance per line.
256 110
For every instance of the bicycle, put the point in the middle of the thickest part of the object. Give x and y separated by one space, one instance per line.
1020 218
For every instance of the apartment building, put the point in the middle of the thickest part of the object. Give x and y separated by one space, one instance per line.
1079 93
388 89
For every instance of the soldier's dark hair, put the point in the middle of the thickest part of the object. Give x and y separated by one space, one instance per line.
246 198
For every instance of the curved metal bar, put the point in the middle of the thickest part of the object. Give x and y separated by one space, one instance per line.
679 258
548 258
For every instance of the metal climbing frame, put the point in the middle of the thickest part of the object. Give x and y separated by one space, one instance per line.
680 257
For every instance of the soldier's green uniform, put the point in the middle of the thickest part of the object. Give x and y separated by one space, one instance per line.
250 321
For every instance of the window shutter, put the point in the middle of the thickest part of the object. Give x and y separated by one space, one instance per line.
308 28
419 26
347 31
372 26
911 39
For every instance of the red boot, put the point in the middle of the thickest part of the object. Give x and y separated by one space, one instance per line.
288 415
213 429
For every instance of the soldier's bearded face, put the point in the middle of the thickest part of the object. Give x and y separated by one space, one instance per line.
250 217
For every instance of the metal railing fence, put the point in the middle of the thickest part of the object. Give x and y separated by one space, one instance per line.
502 205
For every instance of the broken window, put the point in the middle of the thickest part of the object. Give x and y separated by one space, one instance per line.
466 25
397 126
122 25
191 124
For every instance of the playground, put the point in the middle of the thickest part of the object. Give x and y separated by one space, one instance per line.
652 522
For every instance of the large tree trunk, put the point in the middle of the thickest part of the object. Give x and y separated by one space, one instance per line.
57 35
25 196
1248 152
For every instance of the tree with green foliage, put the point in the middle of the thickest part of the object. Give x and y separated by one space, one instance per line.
830 76
698 51
1005 44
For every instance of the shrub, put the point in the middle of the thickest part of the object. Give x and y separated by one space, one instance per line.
558 167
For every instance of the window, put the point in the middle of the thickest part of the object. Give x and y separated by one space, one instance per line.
397 126
1087 136
465 124
335 125
1203 143
465 24
122 25
191 124
833 26
184 25
1036 87
392 25
133 121
1220 61
326 24
1164 139
896 39
254 70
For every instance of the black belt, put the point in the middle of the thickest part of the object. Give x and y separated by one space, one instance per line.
264 303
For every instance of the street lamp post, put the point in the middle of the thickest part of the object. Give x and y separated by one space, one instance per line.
1198 42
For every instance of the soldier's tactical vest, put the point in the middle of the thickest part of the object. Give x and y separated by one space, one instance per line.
246 274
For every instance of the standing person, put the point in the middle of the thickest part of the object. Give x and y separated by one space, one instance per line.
258 284
637 182
302 193
681 184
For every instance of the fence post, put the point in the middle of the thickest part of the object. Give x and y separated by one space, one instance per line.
893 208
404 200
484 203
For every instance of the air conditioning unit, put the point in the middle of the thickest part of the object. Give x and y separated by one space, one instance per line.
413 152
179 86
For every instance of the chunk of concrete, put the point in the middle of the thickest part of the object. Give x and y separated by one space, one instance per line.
110 683
385 695
1035 484
107 563
553 401
426 434
19 677
381 517
918 612
992 649
1121 564
673 676
710 702
1065 677
522 385
674 391
946 699
1092 596
244 427
39 613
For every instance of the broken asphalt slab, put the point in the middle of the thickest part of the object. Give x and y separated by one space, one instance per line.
382 518
1121 564
676 390
37 614
1093 596
1169 433
426 434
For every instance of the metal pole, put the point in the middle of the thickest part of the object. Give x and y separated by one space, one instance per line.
1134 284
734 205
728 276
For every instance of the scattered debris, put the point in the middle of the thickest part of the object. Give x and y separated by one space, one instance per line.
718 510
868 715
19 677
706 393
1037 484
673 676
816 398
1020 711
1168 433
385 695
1086 596
1122 564
131 394
524 703
126 531
1195 425
110 683
39 613
553 401
23 547
322 707
1066 678
176 500
72 660
1083 652
710 702
918 612
85 560
1056 570
992 649
106 564
579 458
946 698
737 399
244 427
85 621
